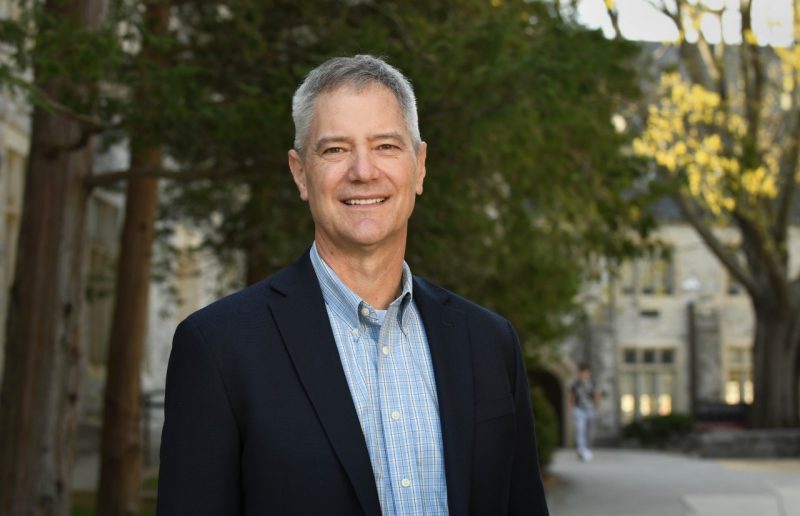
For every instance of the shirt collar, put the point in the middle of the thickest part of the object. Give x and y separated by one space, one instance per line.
346 303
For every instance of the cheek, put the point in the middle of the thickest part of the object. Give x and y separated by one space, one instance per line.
322 198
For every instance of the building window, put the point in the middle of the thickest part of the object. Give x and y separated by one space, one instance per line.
652 274
647 382
739 376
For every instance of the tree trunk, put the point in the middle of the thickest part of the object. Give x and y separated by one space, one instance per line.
121 444
775 369
121 447
38 406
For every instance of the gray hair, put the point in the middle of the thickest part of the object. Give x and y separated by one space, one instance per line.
358 72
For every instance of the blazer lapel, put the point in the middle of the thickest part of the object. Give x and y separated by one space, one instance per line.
448 339
303 322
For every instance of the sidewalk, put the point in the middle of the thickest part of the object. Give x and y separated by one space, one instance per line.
646 483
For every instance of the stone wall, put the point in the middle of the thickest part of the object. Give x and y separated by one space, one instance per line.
782 443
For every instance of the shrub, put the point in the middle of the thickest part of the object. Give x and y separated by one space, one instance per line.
659 431
546 427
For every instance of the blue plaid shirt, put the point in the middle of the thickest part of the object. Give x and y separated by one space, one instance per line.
388 368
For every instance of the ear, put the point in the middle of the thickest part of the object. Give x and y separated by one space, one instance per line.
421 155
298 173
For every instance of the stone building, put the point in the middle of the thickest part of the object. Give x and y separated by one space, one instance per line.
665 334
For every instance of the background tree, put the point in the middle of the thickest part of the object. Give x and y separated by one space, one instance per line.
121 442
38 407
724 131
525 174
109 83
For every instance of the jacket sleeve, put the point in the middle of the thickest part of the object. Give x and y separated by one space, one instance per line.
527 492
199 473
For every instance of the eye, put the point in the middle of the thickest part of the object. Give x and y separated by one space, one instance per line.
387 147
333 150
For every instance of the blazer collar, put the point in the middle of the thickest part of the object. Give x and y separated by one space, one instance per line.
303 323
451 355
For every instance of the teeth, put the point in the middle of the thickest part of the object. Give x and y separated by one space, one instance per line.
352 202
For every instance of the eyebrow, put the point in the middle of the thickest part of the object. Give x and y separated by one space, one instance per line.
387 136
322 142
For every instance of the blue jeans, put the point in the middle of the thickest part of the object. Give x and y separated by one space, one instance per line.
584 427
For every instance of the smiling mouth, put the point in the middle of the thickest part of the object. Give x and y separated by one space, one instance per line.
363 202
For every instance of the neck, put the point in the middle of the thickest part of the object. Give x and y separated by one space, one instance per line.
375 275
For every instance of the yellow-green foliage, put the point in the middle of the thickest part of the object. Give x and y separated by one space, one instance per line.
690 131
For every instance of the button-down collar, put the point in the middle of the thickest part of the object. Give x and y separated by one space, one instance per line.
348 305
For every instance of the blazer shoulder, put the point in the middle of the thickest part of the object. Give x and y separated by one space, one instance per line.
473 311
251 303
244 300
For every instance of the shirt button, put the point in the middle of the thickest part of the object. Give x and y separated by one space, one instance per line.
396 415
386 350
354 331
405 482
365 311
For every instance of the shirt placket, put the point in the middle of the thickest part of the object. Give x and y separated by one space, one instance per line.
374 431
395 414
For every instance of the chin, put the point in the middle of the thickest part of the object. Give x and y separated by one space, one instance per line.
366 241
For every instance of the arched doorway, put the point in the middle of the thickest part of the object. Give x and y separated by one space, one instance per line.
554 392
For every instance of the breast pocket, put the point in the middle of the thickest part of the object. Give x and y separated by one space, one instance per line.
494 408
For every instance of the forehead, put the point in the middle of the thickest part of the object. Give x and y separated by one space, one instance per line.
348 105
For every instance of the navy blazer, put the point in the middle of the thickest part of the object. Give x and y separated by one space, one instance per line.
259 419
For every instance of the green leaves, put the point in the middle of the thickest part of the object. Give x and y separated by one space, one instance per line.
525 176
526 182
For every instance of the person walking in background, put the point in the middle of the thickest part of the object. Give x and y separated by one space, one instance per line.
584 400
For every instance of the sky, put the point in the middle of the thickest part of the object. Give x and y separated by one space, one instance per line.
639 20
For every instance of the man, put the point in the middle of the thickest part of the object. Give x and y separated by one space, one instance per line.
584 399
343 385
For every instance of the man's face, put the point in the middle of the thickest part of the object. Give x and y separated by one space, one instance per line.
358 170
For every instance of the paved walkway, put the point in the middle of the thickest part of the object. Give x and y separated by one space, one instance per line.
643 483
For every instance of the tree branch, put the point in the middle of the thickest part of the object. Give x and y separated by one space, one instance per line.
712 66
701 68
767 254
91 123
52 151
109 178
787 179
47 102
790 159
613 15
663 9
753 86
724 255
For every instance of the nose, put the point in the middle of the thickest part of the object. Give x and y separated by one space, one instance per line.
362 167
